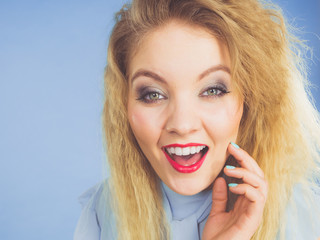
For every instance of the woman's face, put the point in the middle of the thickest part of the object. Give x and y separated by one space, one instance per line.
182 105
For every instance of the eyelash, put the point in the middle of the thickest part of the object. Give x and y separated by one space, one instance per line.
144 94
221 89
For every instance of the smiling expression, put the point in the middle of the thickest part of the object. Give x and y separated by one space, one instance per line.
182 105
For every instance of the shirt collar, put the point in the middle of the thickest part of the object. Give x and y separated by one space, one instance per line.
182 207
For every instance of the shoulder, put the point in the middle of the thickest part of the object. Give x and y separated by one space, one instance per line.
303 214
97 219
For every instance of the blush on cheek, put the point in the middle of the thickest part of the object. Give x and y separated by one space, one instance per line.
142 124
222 122
235 112
234 115
141 117
136 121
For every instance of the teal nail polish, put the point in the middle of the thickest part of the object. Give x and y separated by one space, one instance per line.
235 145
232 184
230 167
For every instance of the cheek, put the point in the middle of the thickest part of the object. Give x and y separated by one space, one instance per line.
222 120
143 123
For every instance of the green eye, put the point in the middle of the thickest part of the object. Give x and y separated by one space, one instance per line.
154 96
213 91
150 95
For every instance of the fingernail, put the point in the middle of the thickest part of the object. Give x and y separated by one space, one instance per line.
232 184
230 167
235 145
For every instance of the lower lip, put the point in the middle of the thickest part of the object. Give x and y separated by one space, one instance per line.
185 169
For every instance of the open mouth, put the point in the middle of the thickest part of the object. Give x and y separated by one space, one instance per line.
186 158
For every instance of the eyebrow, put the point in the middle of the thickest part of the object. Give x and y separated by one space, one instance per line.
216 68
146 73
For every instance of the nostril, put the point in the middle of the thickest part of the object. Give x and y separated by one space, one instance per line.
181 119
181 130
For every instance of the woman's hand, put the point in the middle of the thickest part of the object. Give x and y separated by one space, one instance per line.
241 222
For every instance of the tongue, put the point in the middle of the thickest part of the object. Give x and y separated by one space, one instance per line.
187 160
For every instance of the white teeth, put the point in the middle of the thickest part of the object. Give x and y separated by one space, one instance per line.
193 150
184 151
171 150
178 151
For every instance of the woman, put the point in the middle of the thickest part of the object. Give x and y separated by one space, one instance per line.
184 81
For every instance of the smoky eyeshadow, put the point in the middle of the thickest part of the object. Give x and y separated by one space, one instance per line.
220 84
144 90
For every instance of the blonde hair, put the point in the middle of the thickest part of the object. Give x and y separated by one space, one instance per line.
279 128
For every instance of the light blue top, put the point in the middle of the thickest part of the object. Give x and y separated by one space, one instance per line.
187 215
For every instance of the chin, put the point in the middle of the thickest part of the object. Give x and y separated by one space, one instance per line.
188 187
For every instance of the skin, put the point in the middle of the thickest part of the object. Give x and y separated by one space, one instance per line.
176 96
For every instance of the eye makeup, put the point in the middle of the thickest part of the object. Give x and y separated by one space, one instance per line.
149 94
214 90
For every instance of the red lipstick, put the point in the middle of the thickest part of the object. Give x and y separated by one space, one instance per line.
181 168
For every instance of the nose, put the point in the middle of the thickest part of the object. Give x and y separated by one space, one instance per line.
182 118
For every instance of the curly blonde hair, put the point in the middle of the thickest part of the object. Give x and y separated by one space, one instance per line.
279 128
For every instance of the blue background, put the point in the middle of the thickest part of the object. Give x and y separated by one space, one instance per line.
52 58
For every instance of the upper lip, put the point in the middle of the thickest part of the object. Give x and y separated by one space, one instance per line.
183 149
184 145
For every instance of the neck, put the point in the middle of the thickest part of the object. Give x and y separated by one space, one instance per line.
183 206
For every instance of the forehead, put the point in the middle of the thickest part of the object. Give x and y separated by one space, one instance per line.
179 46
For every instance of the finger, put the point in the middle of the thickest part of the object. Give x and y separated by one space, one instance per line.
251 194
247 177
219 196
244 159
248 191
